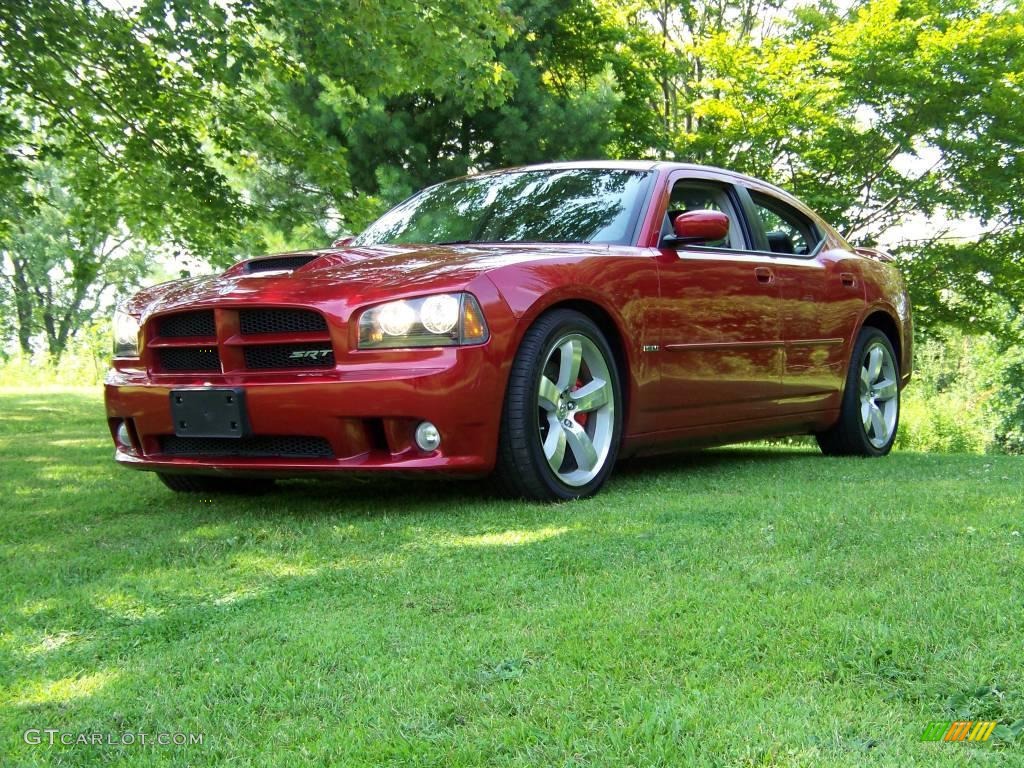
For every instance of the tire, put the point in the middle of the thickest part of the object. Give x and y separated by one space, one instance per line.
561 422
206 484
869 415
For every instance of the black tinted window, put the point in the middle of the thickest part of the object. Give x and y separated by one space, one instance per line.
565 206
785 228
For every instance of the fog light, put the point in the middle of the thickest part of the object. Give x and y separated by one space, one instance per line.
427 437
123 438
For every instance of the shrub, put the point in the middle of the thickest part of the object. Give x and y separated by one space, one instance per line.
84 362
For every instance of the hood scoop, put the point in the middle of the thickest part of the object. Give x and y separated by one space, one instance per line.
277 263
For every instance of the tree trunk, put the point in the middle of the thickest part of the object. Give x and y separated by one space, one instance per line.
22 305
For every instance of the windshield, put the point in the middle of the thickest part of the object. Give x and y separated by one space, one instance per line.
535 206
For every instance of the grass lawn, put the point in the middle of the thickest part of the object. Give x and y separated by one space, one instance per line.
738 607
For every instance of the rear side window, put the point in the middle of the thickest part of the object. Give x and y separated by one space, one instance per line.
786 230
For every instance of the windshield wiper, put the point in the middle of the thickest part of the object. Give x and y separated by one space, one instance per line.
456 242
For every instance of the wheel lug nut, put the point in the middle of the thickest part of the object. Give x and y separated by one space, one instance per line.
568 422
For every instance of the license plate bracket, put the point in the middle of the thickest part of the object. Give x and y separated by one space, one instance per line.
209 412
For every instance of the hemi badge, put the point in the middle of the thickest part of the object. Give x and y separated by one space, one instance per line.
651 347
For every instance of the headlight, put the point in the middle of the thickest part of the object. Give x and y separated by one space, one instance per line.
442 320
126 335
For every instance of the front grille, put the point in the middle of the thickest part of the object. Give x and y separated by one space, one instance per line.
187 325
269 356
189 359
278 262
256 321
289 446
198 329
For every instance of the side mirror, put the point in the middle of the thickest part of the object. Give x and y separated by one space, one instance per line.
695 227
342 242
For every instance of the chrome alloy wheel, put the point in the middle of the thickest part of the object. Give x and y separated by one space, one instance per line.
879 394
575 409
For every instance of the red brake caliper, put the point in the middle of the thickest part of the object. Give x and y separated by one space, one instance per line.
580 416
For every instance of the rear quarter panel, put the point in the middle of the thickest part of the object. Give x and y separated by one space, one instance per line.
885 289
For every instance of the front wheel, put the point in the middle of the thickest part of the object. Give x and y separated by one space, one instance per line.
562 418
870 410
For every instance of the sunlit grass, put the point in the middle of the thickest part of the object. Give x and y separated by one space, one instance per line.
739 607
62 691
505 538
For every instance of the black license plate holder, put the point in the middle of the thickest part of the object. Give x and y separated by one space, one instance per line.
209 412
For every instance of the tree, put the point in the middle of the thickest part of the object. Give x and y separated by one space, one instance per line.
304 73
216 125
175 123
87 87
550 94
64 264
902 110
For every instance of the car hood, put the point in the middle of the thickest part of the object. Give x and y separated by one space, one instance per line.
346 277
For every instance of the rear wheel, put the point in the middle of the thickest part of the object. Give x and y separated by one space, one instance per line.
562 417
870 412
206 484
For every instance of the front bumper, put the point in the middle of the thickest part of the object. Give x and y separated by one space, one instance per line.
367 416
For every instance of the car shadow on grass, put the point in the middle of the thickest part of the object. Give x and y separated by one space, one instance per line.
60 441
710 459
411 494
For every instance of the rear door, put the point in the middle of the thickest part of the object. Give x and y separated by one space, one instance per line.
721 348
821 296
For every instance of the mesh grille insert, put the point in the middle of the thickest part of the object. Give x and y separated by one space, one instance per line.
189 359
187 324
269 356
289 446
256 321
281 262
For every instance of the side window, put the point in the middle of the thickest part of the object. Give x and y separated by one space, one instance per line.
690 195
786 229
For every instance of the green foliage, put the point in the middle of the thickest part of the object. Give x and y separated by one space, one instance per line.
941 423
967 396
901 110
84 363
560 102
198 126
63 264
86 87
1006 403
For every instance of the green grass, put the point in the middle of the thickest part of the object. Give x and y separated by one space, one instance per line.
739 607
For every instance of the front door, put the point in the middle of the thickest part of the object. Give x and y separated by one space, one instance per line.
721 347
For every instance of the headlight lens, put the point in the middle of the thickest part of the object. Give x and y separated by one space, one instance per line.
441 320
440 314
126 335
396 318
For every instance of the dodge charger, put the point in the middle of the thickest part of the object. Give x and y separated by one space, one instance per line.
536 323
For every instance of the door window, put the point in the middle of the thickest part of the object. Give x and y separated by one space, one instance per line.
690 195
786 230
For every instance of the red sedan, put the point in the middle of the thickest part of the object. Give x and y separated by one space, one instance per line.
538 323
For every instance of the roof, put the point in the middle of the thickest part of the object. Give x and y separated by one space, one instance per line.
617 165
635 165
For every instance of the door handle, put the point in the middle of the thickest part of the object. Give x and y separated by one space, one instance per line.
764 275
848 279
